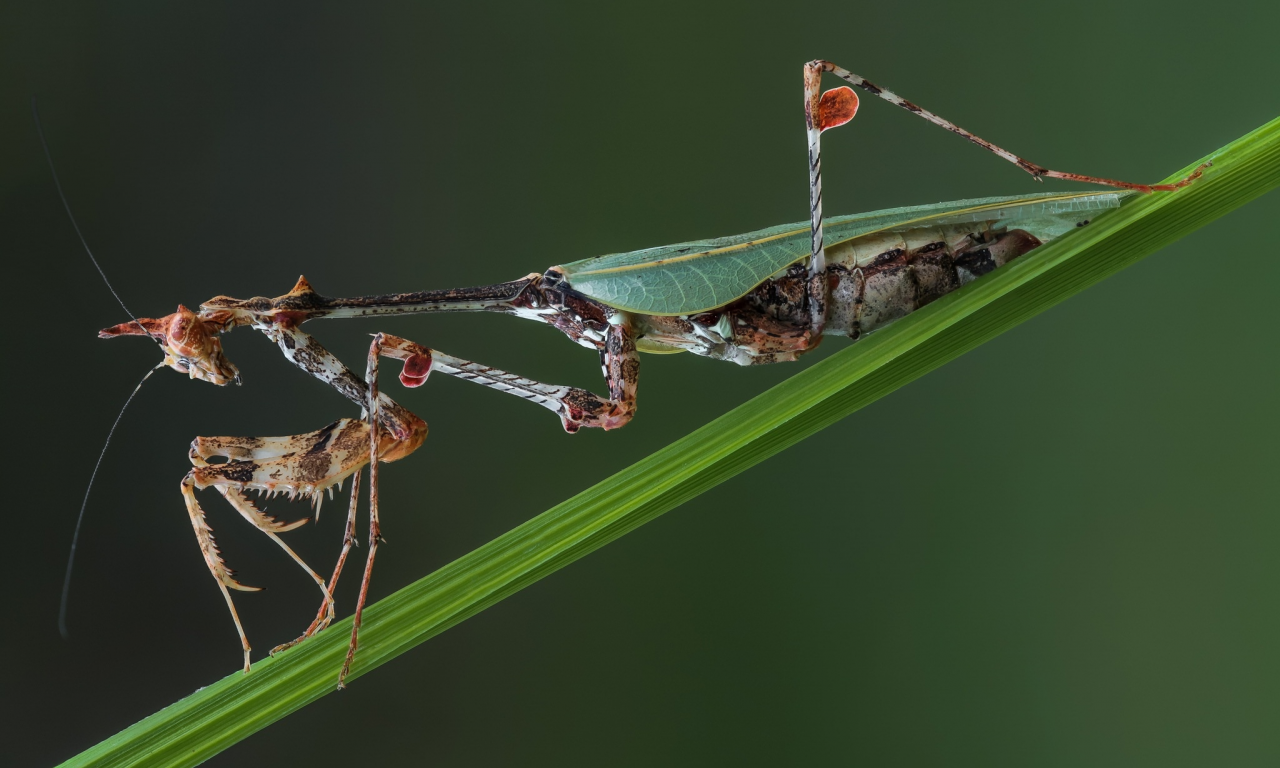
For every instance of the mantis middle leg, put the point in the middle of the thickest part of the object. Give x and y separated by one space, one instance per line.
576 407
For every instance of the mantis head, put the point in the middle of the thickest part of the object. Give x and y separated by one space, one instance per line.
189 340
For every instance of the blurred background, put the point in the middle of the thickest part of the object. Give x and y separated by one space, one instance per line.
1090 577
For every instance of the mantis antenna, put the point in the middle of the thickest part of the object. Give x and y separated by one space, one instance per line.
84 504
75 536
35 115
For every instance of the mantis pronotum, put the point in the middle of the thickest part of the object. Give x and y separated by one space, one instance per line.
759 298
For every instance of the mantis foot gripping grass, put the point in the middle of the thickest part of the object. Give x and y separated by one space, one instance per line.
763 297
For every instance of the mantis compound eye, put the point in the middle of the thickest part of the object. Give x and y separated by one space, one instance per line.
190 342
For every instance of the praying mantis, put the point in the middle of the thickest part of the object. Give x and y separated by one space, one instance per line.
762 297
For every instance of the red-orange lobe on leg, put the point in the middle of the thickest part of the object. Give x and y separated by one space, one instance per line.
836 107
287 319
416 369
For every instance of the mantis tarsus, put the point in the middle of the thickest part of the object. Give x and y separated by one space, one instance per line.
763 297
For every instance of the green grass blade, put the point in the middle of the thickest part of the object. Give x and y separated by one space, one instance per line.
218 716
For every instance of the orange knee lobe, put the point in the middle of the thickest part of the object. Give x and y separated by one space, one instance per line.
836 107
416 369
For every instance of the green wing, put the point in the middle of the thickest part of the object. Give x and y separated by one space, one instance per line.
687 278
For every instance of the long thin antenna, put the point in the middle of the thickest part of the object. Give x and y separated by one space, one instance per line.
75 537
35 114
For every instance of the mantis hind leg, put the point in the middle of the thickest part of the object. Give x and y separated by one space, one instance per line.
832 116
836 107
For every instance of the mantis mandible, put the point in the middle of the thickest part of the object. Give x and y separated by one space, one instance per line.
762 297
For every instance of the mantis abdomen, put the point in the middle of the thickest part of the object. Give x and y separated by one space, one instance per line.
877 279
871 281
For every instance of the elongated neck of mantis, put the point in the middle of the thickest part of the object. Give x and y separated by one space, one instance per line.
303 303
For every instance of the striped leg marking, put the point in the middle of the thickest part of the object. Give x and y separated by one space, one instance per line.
576 407
1037 171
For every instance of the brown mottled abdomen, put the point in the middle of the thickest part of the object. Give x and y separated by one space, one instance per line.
880 278
872 281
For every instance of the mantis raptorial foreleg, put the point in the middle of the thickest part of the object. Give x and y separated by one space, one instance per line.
308 465
213 558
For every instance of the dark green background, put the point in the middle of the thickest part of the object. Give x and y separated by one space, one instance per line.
1060 549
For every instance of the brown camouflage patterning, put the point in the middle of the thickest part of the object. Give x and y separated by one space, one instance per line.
871 281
